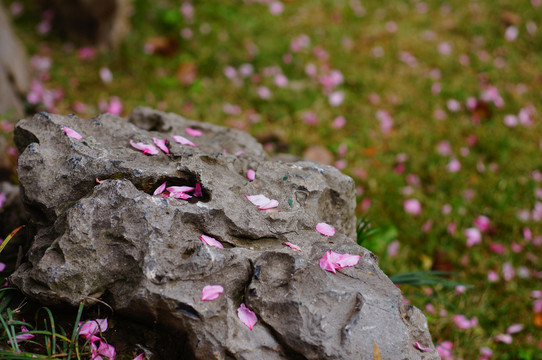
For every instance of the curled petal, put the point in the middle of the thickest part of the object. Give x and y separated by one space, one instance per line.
421 348
325 229
72 133
211 241
147 149
182 140
99 181
246 316
251 174
160 189
332 261
193 132
211 292
90 328
161 144
292 246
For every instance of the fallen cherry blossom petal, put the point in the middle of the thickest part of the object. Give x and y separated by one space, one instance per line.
262 202
193 132
182 140
24 335
292 246
139 357
251 174
183 189
512 329
246 316
161 144
92 327
325 229
346 260
99 181
197 191
332 261
211 292
211 241
421 348
179 195
160 189
504 338
147 149
72 133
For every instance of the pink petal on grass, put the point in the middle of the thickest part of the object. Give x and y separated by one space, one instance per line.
92 327
251 174
72 133
325 229
292 246
182 140
512 329
24 335
147 149
262 202
160 189
211 241
421 348
246 316
161 144
193 132
211 292
504 338
197 191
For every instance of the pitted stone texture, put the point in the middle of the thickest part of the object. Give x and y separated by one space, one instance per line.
141 253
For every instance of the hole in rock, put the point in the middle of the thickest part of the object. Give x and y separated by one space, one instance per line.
185 179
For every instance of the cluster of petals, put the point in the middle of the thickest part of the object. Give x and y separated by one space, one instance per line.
331 261
146 148
178 192
161 143
102 351
262 202
89 329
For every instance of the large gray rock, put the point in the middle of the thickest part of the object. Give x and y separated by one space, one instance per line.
14 69
141 253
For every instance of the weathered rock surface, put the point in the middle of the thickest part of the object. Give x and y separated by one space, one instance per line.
14 69
141 253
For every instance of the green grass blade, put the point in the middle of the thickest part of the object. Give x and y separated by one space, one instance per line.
9 237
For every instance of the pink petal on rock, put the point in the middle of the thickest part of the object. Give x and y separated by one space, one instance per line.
346 260
179 195
160 189
211 241
329 261
161 144
325 229
183 189
262 202
182 140
211 292
251 174
197 191
421 348
246 316
72 133
147 149
292 246
193 132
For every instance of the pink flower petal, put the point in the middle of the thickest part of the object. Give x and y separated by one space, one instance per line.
197 191
346 260
139 357
92 327
183 189
292 246
72 133
504 338
211 241
179 195
211 292
160 189
182 140
246 316
147 149
193 132
332 261
251 174
161 144
512 329
473 236
421 348
262 202
325 229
